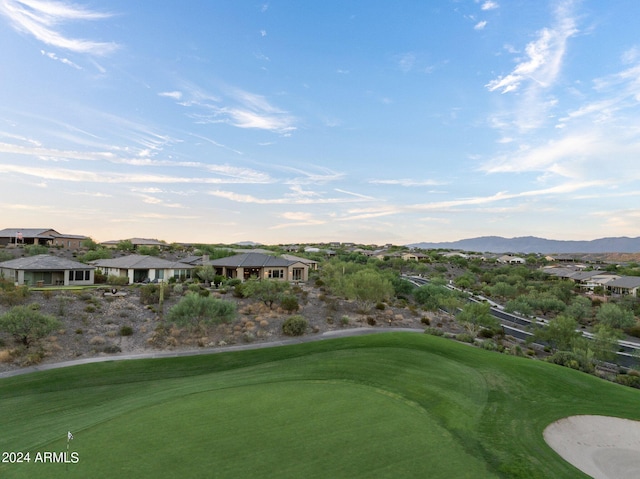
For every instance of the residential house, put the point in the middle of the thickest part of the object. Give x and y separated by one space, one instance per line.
625 285
46 270
40 236
262 266
414 256
136 242
313 265
510 259
141 268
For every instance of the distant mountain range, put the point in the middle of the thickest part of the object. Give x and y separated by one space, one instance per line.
532 244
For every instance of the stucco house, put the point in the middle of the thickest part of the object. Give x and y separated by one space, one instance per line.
625 285
142 268
136 243
262 266
509 259
40 236
47 270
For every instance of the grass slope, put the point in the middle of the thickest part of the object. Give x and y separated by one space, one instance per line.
393 405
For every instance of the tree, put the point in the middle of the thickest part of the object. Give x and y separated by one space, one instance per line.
519 305
125 245
476 316
266 290
26 325
368 287
560 333
193 310
579 309
615 317
605 342
207 274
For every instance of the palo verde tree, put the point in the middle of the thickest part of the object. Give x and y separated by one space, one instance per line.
268 291
194 310
615 317
476 316
368 287
27 325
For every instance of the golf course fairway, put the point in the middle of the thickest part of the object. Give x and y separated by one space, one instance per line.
390 405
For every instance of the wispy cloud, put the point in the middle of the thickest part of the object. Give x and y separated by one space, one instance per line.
235 107
407 182
480 25
66 61
176 95
296 197
298 218
42 19
543 56
489 5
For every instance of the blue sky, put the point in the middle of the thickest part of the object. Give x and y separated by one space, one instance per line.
293 121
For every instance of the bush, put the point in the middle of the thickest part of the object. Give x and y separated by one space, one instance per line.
117 280
628 380
296 325
194 309
289 303
426 321
112 349
380 306
126 331
434 331
150 293
465 338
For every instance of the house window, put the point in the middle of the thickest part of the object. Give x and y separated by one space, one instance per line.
70 275
79 275
297 274
276 273
87 275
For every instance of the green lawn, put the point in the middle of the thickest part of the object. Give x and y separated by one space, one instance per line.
392 405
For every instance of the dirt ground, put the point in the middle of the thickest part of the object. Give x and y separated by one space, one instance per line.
99 323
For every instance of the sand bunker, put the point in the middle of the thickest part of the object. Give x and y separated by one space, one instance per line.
603 447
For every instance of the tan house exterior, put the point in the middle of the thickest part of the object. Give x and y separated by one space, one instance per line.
262 266
40 236
143 269
47 270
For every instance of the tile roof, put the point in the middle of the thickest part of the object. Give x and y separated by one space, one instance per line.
251 260
43 262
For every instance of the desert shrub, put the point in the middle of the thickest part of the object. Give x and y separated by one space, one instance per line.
90 308
489 345
434 331
126 331
571 360
486 333
296 325
238 290
289 303
634 330
345 320
425 320
47 294
112 349
178 289
79 331
371 321
117 280
11 295
26 325
465 338
233 282
628 380
97 341
150 293
380 306
194 309
33 358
